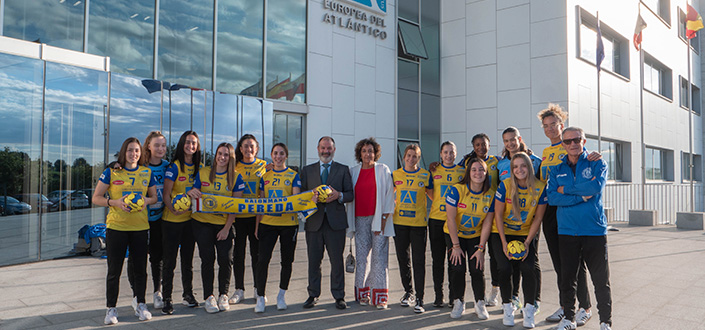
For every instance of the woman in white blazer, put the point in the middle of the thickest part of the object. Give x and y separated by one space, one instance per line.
370 222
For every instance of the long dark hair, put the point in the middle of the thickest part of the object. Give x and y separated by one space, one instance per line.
238 153
122 155
180 155
466 179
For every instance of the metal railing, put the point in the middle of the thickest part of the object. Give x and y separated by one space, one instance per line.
667 198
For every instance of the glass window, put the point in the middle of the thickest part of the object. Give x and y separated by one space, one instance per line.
662 8
286 50
56 23
288 129
655 164
657 77
408 100
695 41
185 42
74 152
225 119
697 169
695 100
239 60
411 41
409 9
612 154
125 33
177 106
616 47
21 103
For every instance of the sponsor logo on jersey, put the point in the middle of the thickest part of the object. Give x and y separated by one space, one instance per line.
118 182
448 200
205 184
503 173
485 209
587 173
266 182
462 206
396 183
145 183
533 203
421 184
436 177
182 178
424 174
561 156
493 167
287 182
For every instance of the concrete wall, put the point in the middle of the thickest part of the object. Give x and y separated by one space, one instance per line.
351 85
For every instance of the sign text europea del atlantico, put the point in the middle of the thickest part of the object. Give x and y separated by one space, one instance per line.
354 19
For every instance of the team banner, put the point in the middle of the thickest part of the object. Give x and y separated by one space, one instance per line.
302 204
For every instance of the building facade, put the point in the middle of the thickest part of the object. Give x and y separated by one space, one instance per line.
78 77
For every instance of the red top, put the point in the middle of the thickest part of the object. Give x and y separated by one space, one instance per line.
365 193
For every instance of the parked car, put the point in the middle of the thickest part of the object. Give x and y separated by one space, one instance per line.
68 199
35 200
89 193
14 206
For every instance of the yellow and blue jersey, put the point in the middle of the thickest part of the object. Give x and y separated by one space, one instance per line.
158 172
472 209
218 187
124 182
410 191
504 167
520 224
443 178
277 184
183 181
552 156
251 174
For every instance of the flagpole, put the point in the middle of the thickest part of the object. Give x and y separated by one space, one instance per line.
690 132
599 127
641 111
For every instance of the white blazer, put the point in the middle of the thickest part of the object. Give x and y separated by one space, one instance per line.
384 203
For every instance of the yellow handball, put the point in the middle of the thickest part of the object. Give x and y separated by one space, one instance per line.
516 250
323 192
181 202
134 201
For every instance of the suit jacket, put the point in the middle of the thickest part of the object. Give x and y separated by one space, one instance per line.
338 178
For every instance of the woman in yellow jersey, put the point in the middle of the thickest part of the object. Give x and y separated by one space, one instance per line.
177 227
444 177
280 181
370 222
520 203
213 231
251 169
411 184
469 214
553 121
126 229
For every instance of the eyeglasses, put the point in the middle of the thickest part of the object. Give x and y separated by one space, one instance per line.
576 140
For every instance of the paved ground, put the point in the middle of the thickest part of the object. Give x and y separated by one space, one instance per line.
656 284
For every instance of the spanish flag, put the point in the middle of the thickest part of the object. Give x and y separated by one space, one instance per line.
693 22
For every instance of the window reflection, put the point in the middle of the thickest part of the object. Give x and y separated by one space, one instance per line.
240 30
21 90
225 119
125 32
286 50
56 23
288 130
185 42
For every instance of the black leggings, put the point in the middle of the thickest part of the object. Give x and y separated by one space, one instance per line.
287 243
494 273
155 256
437 240
208 245
411 239
505 268
456 273
178 237
116 244
244 231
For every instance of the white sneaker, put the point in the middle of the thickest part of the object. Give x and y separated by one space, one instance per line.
259 307
111 316
481 310
582 317
557 316
508 318
254 295
158 300
281 301
134 303
212 305
603 326
142 312
223 303
566 324
458 309
494 294
238 297
529 312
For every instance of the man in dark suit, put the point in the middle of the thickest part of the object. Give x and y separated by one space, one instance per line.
325 229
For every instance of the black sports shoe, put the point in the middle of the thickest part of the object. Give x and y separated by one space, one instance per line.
438 302
407 299
168 308
190 300
418 309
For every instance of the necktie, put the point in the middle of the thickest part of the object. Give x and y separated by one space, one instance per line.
324 174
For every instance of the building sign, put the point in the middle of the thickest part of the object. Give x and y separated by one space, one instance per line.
378 6
356 19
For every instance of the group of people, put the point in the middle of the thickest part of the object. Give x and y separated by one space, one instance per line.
482 202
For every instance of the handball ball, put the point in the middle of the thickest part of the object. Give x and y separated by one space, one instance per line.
134 201
516 250
323 192
181 202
